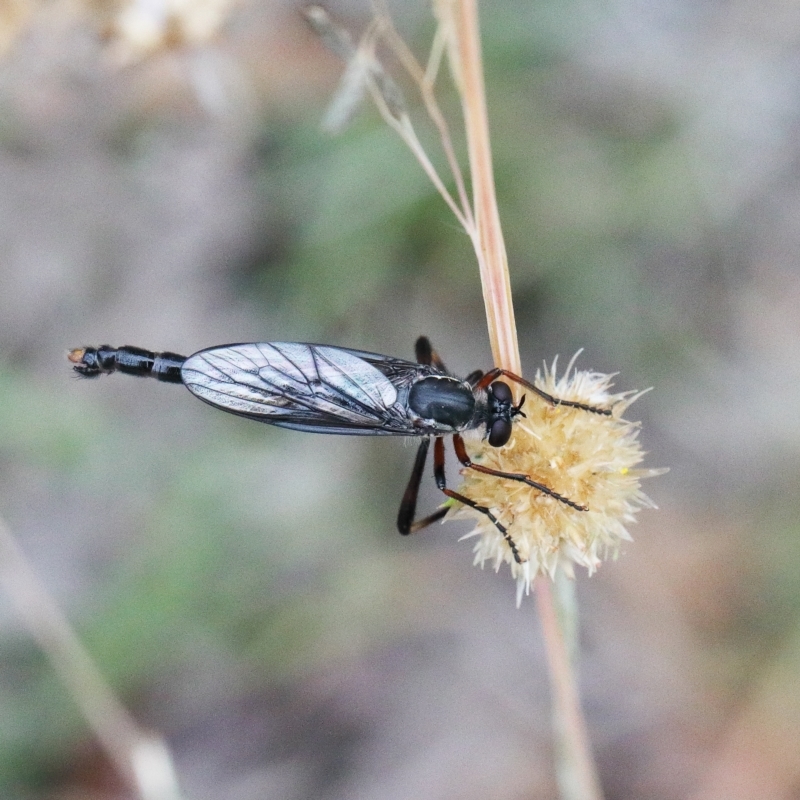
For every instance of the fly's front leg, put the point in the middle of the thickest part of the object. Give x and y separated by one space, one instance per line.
463 457
441 482
474 377
496 373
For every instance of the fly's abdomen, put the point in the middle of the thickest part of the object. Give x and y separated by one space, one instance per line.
93 361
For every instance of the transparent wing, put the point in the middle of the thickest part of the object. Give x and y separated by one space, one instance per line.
305 386
400 372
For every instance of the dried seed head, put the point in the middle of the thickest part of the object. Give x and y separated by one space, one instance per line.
585 457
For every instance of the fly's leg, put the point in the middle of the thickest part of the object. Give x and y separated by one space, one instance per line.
405 517
408 505
474 377
463 457
494 374
427 355
441 482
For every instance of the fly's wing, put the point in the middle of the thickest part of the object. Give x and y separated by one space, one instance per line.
400 372
304 386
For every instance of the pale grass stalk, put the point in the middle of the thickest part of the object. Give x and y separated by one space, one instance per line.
465 52
577 772
140 757
405 130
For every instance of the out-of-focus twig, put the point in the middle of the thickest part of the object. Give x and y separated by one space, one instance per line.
576 770
141 757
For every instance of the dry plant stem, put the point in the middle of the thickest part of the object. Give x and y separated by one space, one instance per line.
491 247
406 132
140 757
577 772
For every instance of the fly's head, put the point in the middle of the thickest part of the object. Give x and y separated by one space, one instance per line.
501 413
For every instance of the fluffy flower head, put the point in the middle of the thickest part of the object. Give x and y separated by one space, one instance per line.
586 457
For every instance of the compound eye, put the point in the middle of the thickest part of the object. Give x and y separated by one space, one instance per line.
500 432
501 392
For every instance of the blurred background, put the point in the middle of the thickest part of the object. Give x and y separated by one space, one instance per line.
164 182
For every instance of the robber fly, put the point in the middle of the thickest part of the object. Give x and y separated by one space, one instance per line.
324 389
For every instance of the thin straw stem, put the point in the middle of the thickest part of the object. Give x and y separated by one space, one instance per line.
402 125
492 250
576 770
458 32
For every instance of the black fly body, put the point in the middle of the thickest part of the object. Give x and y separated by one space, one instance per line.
325 389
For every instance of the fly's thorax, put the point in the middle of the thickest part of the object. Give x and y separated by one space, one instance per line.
443 399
